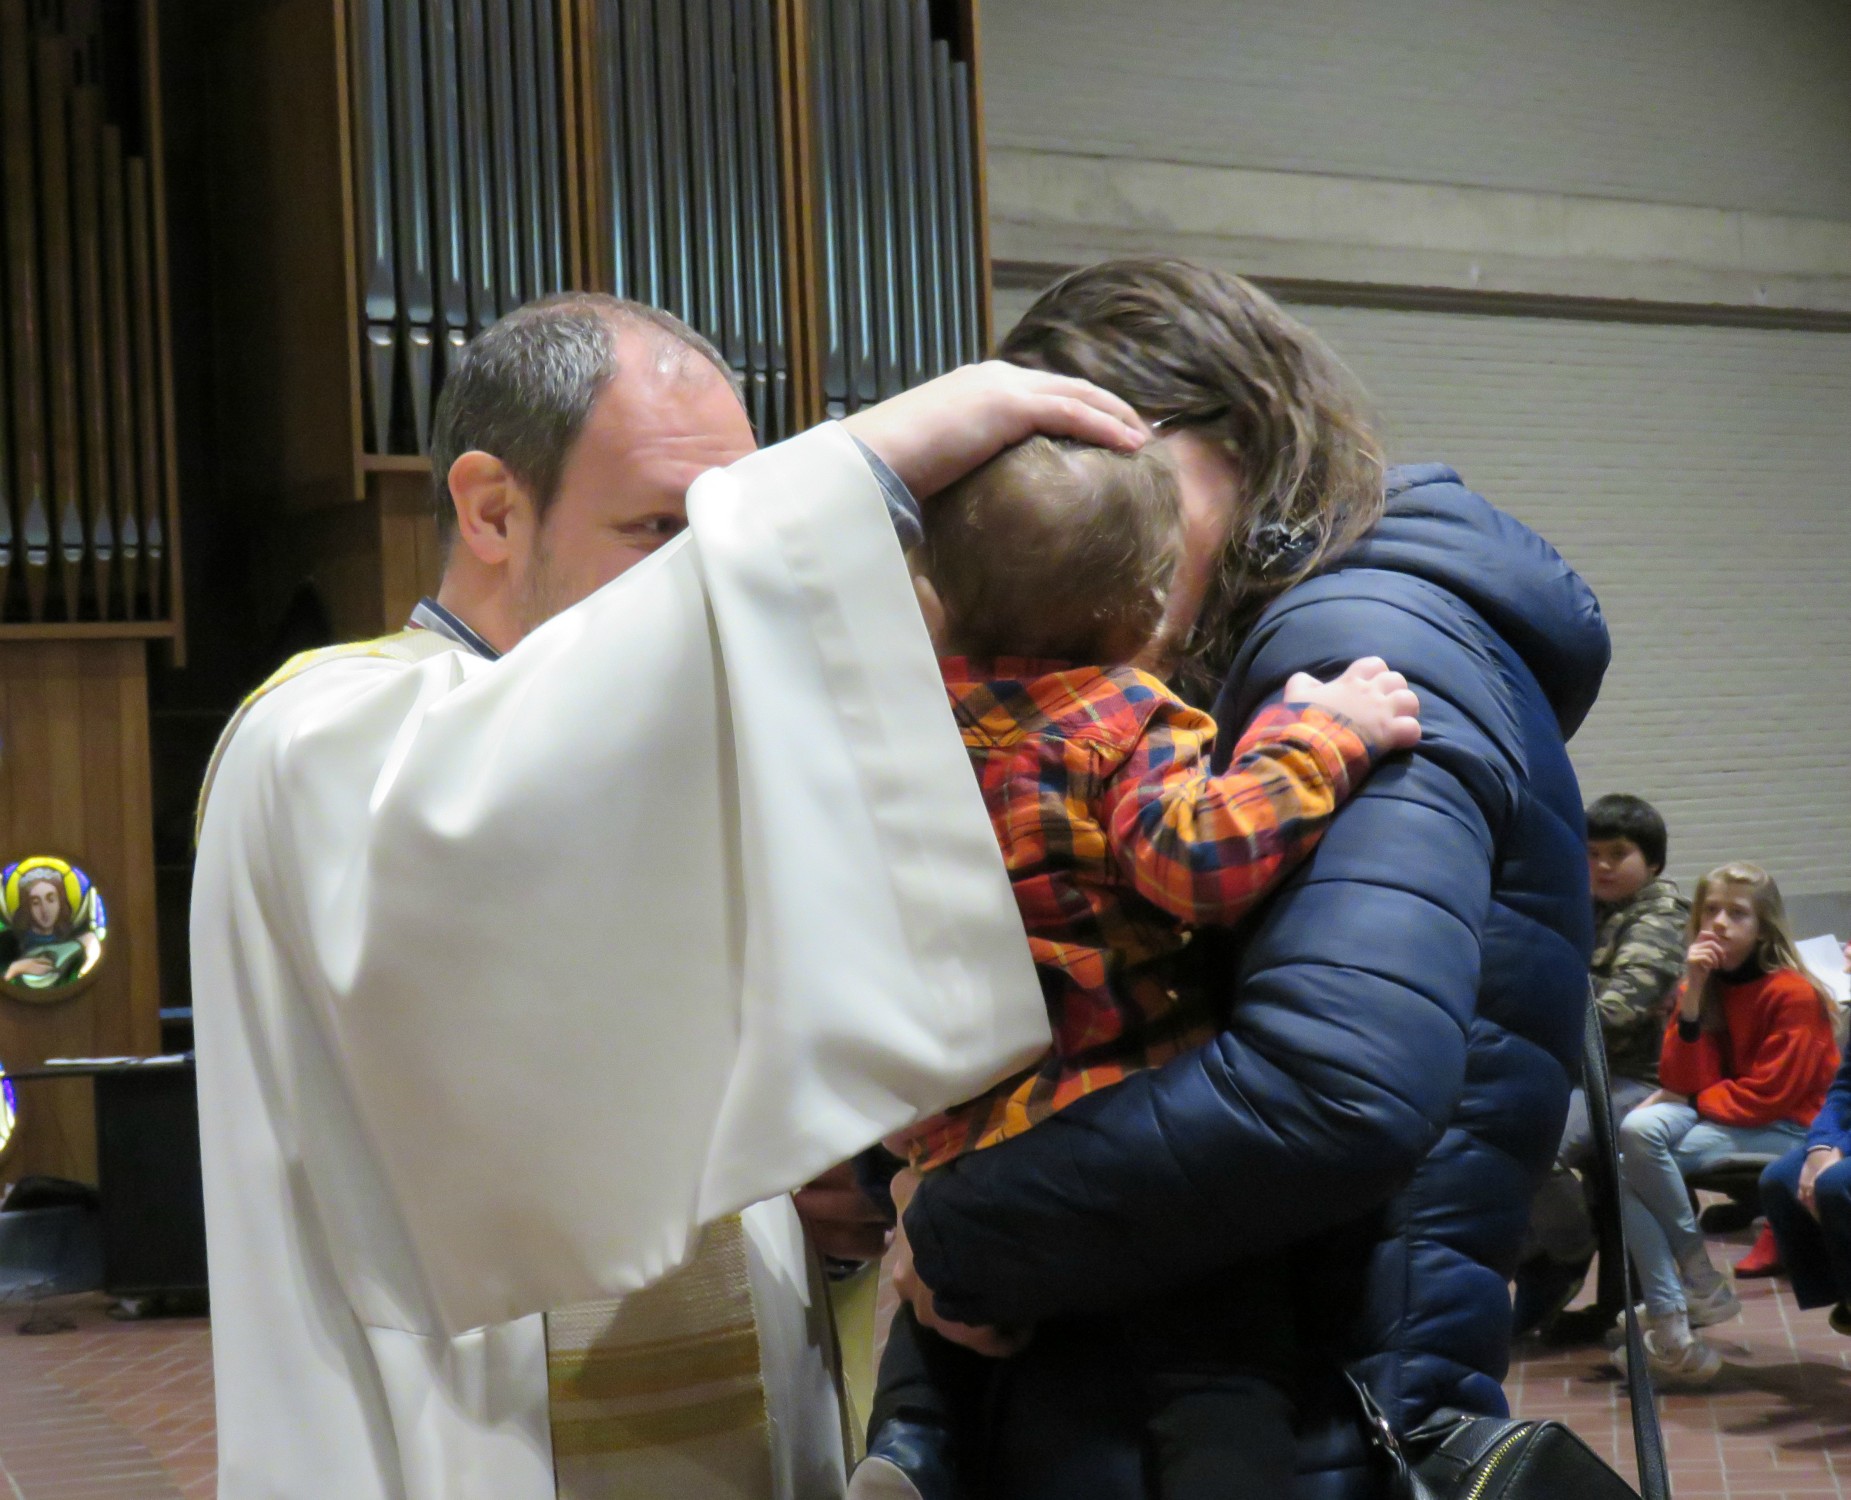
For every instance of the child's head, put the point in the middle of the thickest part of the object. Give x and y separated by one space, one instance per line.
1625 846
1740 905
1053 550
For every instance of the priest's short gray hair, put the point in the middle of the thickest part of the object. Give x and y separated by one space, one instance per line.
525 385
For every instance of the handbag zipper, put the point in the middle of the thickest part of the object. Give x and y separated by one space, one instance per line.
1491 1463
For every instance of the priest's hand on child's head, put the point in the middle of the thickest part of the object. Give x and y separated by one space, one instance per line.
938 432
1379 704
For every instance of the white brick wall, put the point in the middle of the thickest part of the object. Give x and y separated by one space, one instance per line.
1725 103
1699 479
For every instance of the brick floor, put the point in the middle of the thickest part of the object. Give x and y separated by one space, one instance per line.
1777 1422
123 1411
105 1410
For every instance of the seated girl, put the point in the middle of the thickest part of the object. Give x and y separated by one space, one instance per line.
1807 1195
1747 1059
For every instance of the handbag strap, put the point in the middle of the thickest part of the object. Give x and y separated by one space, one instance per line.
1610 1225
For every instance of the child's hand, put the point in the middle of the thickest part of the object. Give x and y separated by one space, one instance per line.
1379 704
1703 957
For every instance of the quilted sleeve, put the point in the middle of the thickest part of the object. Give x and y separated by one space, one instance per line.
1343 1053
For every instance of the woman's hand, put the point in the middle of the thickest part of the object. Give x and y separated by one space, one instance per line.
1816 1162
1661 1096
993 1342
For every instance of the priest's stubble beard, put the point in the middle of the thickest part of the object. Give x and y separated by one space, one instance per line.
540 595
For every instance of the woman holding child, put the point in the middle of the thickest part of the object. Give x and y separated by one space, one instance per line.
1395 1033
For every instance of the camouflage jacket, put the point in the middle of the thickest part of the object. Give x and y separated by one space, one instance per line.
1638 959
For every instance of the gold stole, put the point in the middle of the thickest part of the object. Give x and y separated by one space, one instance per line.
662 1392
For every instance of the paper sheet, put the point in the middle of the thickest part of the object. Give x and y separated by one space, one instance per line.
1825 956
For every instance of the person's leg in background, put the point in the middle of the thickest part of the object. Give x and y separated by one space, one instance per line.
1560 1243
1561 1240
1802 1237
1817 1251
1667 1248
1214 1436
1215 1363
1832 1194
928 1402
1660 1227
1703 1145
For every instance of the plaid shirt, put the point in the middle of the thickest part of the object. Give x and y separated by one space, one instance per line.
1118 841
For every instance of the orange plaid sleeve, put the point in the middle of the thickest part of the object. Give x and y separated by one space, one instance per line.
1206 848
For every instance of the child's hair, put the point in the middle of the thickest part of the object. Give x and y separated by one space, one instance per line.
1619 815
1056 550
1775 947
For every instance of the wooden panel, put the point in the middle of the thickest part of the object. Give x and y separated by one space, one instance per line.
409 560
971 40
287 322
173 590
803 224
74 782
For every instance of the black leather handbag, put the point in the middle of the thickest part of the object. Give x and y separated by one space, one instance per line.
1457 1456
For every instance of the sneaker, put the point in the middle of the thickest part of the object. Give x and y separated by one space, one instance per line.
1715 1305
1764 1258
1674 1362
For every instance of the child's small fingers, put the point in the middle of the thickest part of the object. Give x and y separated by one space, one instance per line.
1365 667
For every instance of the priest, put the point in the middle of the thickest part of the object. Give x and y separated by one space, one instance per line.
540 949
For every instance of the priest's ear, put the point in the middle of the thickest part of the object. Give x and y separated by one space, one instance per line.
495 517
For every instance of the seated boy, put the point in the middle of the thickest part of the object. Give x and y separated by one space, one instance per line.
1638 959
1043 576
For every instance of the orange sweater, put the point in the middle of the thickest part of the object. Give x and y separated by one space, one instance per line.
1774 1062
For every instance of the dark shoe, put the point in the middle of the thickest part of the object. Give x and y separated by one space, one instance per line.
1763 1259
1544 1287
1726 1218
1585 1325
907 1461
1841 1319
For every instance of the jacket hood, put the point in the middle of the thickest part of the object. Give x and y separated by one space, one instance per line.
1434 528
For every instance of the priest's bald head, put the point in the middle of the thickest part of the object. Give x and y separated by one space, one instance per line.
564 444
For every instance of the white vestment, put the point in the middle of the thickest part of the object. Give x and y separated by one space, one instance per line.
509 975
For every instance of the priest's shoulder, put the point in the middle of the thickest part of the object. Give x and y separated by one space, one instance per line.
406 646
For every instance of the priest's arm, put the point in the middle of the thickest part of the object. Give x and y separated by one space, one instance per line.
688 896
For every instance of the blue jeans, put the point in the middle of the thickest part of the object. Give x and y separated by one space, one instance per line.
1560 1225
1659 1143
1817 1252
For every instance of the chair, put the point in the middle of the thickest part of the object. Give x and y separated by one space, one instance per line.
1738 1178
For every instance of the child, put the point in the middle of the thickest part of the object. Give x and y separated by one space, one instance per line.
1639 948
1638 959
1043 576
1746 1062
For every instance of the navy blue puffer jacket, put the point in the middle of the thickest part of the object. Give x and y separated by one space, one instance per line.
1404 1017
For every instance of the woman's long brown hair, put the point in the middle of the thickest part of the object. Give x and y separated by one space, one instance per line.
1202 349
1775 946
